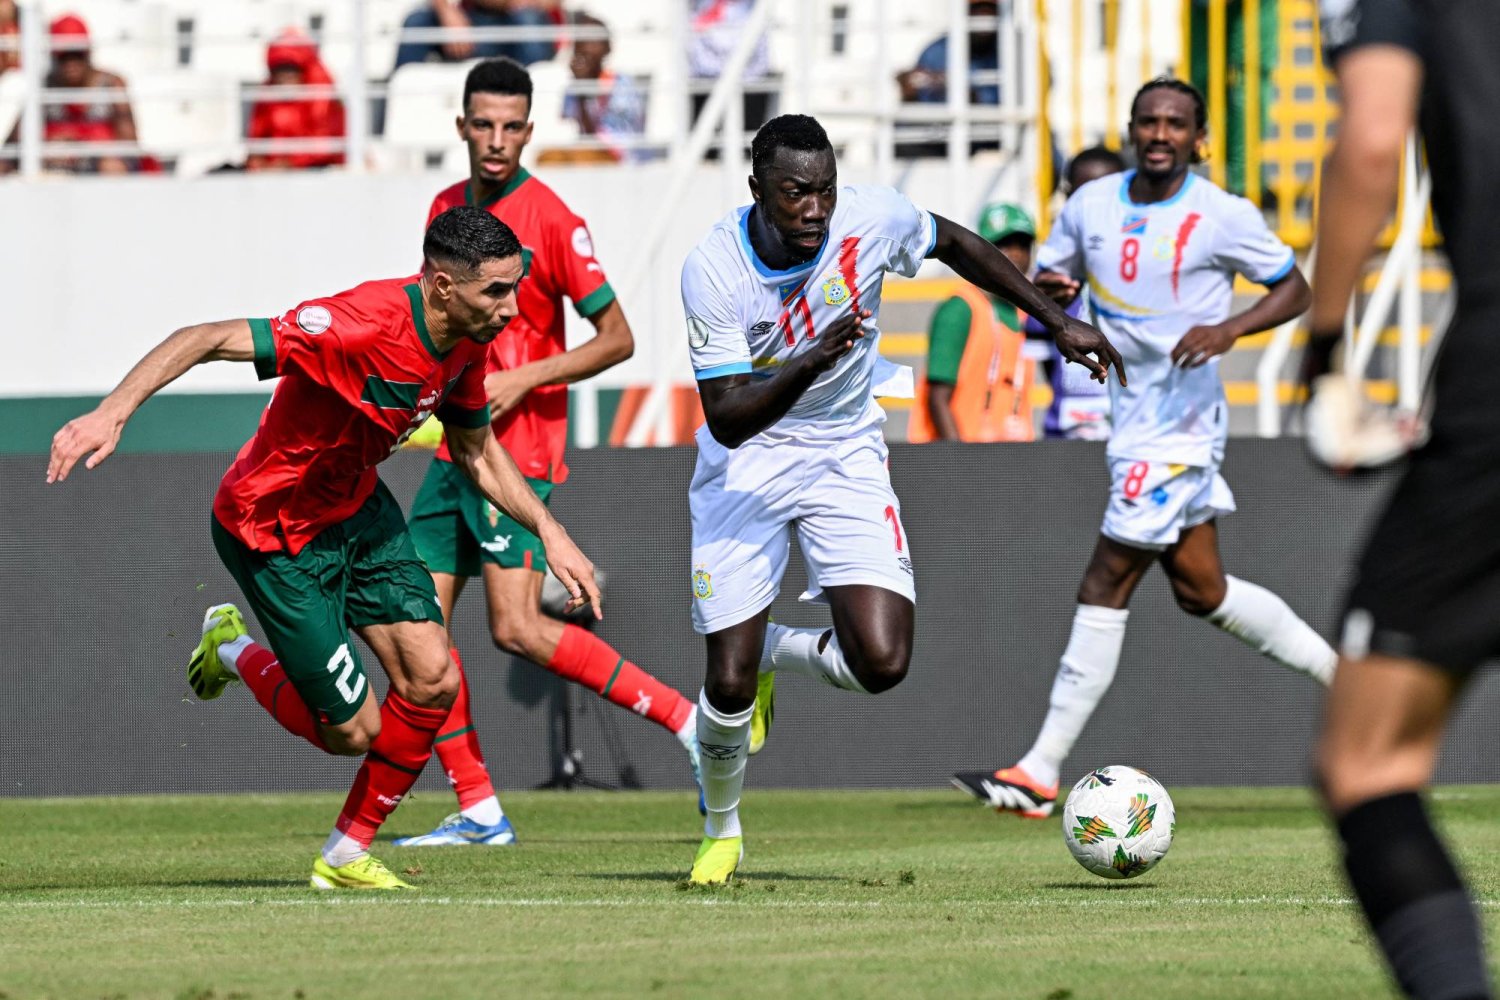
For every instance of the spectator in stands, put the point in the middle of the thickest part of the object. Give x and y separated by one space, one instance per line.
716 27
927 81
978 380
10 35
480 14
613 107
292 60
90 119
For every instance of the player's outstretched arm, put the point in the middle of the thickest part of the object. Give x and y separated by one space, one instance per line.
494 472
611 344
979 262
738 407
97 432
1287 299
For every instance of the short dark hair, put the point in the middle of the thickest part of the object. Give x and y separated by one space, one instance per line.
1097 154
799 132
467 237
500 75
1200 109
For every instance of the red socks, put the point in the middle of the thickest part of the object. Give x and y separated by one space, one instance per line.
457 747
263 675
392 766
584 658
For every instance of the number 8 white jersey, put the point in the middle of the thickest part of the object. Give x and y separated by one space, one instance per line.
1153 273
744 317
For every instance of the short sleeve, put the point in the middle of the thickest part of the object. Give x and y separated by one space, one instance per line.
913 232
580 274
1063 249
948 336
467 404
1351 24
717 345
306 340
1246 245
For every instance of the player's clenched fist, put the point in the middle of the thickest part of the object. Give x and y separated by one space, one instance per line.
94 432
838 339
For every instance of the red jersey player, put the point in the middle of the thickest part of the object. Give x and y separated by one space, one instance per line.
315 540
457 531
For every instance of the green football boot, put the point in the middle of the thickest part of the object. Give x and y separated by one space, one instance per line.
765 711
717 859
362 873
206 673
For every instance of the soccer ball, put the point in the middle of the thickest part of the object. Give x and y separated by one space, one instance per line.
1118 822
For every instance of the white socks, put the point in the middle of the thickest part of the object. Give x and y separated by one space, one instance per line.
1250 613
231 651
724 740
340 849
796 649
1088 667
1263 622
688 734
486 812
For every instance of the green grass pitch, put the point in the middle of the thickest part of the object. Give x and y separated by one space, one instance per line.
842 894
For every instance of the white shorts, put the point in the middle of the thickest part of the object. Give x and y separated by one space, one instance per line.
745 503
1152 503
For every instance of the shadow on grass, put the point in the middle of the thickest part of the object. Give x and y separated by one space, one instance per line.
1100 886
200 883
523 839
677 876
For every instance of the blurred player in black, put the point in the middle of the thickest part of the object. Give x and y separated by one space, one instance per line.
1424 610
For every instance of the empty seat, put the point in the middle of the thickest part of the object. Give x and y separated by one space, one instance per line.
192 117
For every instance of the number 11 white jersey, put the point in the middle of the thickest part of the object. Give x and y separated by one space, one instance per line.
1154 272
744 317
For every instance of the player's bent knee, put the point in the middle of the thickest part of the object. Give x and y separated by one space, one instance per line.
1198 603
882 669
429 684
350 742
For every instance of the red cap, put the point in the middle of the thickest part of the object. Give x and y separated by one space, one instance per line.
69 34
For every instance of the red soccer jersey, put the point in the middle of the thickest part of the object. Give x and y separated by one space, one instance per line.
559 258
359 373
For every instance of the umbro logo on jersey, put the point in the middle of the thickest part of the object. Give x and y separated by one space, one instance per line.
762 328
1096 242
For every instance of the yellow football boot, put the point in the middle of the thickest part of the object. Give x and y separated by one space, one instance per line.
362 873
717 859
206 674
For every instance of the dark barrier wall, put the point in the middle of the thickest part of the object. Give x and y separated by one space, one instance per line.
106 578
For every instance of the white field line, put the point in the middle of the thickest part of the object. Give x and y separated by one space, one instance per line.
756 900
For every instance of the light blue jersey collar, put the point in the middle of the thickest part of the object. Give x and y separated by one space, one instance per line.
1129 176
770 273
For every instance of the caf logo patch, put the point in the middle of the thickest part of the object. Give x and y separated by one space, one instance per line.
697 333
583 245
314 319
703 584
492 513
836 290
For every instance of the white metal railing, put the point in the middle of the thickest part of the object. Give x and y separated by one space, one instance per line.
1398 285
956 120
887 123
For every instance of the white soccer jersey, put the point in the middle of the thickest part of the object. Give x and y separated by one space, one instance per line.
745 317
1153 273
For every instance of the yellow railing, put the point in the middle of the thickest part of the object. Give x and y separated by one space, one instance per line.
1301 114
